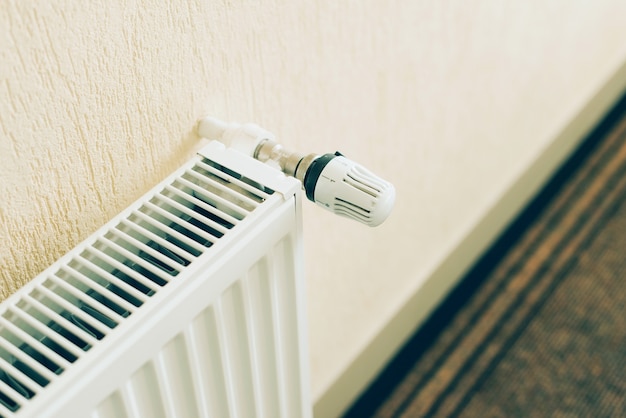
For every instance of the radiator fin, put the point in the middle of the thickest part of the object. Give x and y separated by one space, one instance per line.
113 407
91 293
138 394
208 375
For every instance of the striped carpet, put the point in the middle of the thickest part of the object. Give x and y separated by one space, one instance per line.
538 327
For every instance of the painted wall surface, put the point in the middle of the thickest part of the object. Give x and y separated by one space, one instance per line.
449 100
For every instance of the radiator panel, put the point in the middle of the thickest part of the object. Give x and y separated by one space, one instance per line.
189 303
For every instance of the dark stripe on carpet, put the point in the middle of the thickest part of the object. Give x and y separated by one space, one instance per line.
521 334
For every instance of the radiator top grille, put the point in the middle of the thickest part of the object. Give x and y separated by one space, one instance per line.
78 305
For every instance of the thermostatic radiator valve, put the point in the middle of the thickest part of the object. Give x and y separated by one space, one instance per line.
331 180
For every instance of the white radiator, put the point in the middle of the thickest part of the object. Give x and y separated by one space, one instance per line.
190 303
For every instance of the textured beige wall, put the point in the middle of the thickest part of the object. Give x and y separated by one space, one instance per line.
451 100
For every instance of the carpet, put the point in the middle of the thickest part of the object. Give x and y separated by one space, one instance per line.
538 326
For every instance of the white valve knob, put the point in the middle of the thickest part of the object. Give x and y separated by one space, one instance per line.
348 189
